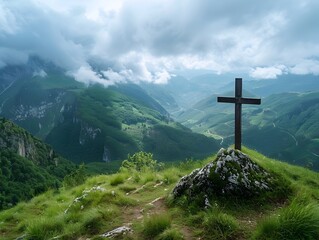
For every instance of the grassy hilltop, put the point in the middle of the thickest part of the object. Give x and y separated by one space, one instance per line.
140 199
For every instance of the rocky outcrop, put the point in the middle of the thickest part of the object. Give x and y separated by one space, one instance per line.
232 173
88 133
19 141
40 109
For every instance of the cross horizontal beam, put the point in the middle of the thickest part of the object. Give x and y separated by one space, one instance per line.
239 100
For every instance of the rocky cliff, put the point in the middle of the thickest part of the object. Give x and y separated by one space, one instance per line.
19 141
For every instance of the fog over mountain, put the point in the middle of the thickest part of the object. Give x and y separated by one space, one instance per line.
137 40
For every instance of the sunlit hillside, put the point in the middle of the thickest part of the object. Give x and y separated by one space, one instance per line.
140 200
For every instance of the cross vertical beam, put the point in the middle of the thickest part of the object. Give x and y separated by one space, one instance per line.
238 95
238 100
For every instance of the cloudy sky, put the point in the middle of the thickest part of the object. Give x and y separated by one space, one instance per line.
143 40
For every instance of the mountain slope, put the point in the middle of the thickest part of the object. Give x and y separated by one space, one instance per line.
281 126
283 84
140 200
293 119
111 123
94 124
27 166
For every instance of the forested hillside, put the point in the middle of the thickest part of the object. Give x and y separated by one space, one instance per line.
27 165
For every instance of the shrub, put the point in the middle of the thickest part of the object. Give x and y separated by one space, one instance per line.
140 161
294 222
219 225
155 225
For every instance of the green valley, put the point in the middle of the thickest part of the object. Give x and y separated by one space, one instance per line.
96 124
284 126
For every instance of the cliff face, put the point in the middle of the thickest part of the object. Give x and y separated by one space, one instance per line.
19 141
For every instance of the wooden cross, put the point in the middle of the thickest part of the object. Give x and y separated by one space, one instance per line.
238 100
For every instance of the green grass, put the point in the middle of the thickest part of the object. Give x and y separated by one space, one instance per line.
44 228
303 181
293 222
155 225
117 179
127 198
219 225
171 234
93 222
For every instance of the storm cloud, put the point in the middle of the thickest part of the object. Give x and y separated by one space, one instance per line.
139 40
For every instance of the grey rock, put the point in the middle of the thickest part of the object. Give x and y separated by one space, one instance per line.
117 232
232 173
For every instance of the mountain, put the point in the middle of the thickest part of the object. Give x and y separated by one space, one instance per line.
284 126
139 205
291 120
182 92
27 165
185 89
94 123
282 84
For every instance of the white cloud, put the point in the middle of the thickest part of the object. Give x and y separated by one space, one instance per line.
268 72
7 20
114 77
306 67
140 40
86 75
40 73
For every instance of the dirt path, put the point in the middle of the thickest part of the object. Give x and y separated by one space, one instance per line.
148 208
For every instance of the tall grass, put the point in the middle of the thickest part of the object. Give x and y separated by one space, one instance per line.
148 177
171 234
155 225
117 179
219 225
93 222
293 222
44 228
171 175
